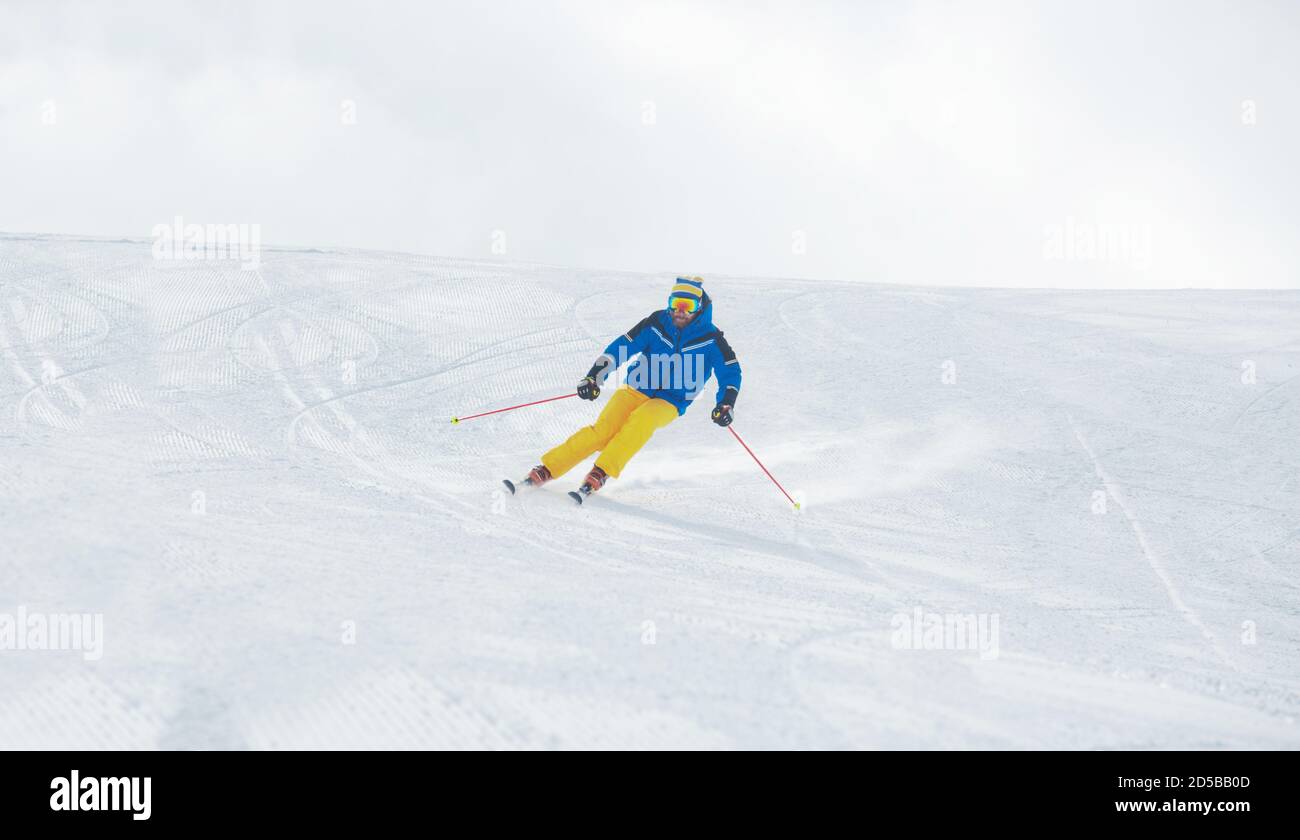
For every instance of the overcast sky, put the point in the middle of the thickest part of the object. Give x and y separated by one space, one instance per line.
972 143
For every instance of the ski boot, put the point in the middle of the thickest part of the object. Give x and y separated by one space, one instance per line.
594 481
536 477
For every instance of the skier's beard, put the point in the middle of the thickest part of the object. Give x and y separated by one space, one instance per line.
681 319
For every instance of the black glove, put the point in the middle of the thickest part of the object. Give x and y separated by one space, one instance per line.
722 414
589 387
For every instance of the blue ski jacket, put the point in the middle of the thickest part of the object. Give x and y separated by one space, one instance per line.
672 364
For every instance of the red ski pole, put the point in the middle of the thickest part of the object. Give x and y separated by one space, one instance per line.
513 407
761 467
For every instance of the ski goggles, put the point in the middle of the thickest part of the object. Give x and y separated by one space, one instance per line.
683 303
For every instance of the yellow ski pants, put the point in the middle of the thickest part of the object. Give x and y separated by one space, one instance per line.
628 420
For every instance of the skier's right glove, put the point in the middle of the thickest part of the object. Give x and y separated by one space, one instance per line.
589 387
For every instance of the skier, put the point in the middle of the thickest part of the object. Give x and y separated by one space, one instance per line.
679 348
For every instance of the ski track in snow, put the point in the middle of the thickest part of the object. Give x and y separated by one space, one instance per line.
1114 491
253 477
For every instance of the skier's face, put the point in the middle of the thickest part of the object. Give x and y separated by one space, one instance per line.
680 317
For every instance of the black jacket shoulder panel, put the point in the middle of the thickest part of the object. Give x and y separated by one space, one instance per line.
648 321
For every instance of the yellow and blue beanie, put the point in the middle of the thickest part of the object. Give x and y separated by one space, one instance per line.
688 287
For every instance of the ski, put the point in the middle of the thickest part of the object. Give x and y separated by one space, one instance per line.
580 495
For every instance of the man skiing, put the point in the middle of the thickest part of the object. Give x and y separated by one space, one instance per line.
678 349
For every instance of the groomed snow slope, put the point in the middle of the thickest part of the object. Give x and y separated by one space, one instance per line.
233 465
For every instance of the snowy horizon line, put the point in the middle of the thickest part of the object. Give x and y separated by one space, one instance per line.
109 239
